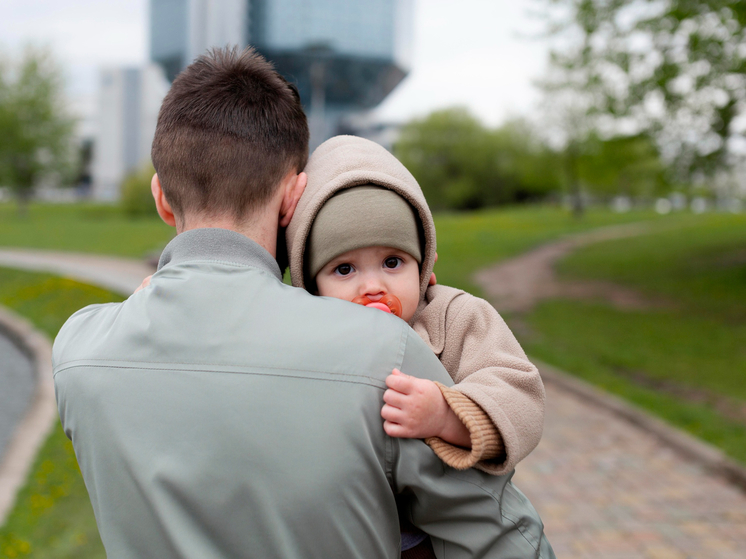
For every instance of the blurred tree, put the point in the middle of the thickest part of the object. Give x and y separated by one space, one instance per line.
629 166
674 69
565 120
461 164
527 167
137 199
35 130
445 151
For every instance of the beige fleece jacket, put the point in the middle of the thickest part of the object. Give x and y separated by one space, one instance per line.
498 394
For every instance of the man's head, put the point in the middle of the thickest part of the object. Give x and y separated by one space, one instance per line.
229 131
366 242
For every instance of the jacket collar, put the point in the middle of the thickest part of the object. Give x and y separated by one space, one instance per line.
219 245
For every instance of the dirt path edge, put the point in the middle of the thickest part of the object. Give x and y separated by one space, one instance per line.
41 416
517 284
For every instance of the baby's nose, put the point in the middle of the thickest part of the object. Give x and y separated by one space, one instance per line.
374 289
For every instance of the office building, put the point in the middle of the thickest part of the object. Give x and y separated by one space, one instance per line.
344 56
129 100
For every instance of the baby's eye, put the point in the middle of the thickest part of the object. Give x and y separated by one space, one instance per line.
343 269
392 262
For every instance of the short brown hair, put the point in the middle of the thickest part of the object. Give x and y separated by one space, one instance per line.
228 131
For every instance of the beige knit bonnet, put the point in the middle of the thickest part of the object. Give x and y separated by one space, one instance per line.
359 217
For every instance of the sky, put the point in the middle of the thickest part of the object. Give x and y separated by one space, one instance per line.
474 53
480 55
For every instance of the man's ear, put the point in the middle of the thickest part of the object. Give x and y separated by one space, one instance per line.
161 204
291 197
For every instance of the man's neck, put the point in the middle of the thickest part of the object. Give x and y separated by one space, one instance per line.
260 228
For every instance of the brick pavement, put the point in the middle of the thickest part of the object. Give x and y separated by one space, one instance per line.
607 489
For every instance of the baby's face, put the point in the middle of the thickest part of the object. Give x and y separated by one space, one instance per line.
373 272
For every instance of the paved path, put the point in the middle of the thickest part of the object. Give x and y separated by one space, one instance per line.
120 275
605 488
27 405
17 383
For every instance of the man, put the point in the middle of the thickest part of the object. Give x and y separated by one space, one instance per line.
220 413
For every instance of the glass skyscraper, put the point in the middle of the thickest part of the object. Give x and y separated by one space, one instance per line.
344 55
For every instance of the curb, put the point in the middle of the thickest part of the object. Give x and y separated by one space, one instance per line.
709 457
40 417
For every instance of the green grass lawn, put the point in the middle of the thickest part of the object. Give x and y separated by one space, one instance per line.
466 241
470 241
52 518
685 358
82 228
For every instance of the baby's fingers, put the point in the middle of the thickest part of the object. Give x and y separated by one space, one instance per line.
144 284
390 413
400 382
395 430
394 398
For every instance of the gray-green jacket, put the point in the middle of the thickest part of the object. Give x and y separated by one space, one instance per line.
220 413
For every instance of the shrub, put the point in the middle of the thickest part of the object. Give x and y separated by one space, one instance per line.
137 201
462 165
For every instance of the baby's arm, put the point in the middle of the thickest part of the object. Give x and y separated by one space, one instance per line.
499 396
494 377
458 430
416 409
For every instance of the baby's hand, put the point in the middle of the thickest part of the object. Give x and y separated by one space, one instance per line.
144 284
414 408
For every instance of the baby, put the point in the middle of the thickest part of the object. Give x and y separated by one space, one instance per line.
363 232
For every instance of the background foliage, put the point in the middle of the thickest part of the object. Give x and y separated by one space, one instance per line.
674 70
461 164
137 199
35 129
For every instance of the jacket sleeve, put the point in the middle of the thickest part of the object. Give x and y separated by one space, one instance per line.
467 513
496 386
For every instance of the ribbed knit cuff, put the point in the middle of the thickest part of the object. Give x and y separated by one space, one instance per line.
486 442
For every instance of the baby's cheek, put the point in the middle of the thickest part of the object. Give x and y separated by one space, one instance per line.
409 306
337 290
327 287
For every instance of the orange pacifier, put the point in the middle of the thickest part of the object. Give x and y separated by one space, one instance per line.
387 303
